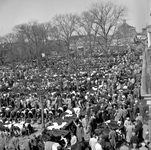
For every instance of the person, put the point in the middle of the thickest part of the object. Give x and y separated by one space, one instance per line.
73 139
85 126
145 130
134 139
102 141
98 145
124 147
139 130
130 112
119 113
79 131
85 122
15 143
143 147
56 146
87 134
129 130
139 117
126 122
124 112
92 142
134 146
112 138
93 124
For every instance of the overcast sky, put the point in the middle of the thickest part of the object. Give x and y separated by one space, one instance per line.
13 12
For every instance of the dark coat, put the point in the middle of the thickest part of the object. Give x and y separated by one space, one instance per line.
80 146
134 139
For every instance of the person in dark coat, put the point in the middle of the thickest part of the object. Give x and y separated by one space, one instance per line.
134 139
112 138
93 124
80 146
130 112
124 112
139 130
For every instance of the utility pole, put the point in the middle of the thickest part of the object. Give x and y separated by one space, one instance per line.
41 92
42 111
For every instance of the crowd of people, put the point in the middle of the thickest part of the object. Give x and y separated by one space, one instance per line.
99 98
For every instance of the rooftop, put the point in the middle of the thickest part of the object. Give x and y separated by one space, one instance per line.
125 25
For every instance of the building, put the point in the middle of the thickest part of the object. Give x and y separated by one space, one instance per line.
82 43
144 32
124 34
77 42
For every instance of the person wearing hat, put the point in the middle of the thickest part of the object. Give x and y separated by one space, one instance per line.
124 112
134 140
139 129
112 138
126 122
124 146
130 112
119 113
129 130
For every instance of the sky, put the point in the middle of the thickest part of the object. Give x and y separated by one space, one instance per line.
14 12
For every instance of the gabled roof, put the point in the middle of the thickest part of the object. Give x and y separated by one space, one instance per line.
126 30
125 25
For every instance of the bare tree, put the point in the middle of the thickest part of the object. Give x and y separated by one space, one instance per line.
55 43
9 39
33 37
86 27
65 25
107 16
10 47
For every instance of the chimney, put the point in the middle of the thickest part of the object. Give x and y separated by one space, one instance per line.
124 20
149 37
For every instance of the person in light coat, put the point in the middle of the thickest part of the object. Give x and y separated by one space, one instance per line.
73 139
129 130
92 142
98 145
